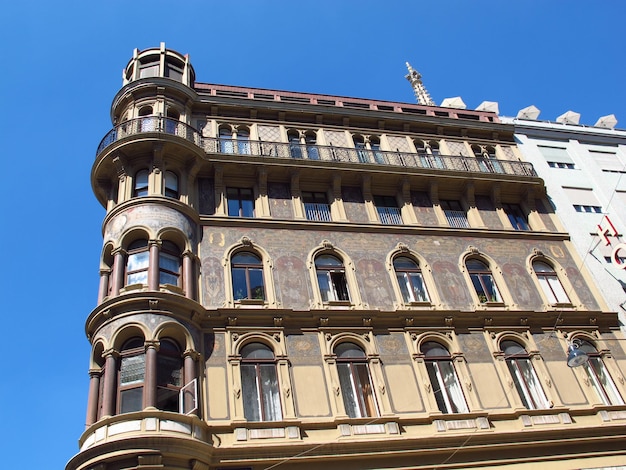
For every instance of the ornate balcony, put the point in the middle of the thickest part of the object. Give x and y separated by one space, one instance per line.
211 145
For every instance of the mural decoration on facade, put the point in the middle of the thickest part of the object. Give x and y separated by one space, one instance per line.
520 285
213 274
375 282
149 216
451 284
353 204
292 277
280 200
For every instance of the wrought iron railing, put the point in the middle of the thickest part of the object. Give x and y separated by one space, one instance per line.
152 124
319 212
389 215
457 219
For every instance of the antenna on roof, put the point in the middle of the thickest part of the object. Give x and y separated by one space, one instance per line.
419 89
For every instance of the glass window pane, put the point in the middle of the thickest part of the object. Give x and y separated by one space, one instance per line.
348 391
256 351
137 278
418 288
490 287
131 400
168 370
349 350
138 261
240 287
167 399
247 208
402 262
453 387
246 258
405 286
169 262
270 393
364 389
324 283
257 289
251 401
340 286
132 369
557 288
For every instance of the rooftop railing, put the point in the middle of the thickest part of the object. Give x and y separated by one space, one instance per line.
329 153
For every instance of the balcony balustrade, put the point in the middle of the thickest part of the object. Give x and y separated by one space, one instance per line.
318 212
211 145
389 215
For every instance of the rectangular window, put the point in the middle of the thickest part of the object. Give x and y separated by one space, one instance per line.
516 216
316 206
583 200
455 214
240 202
557 157
388 211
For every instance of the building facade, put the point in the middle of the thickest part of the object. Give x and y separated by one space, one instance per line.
291 280
585 172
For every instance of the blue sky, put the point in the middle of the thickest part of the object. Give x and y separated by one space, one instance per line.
62 64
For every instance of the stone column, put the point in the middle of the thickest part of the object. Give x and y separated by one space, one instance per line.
189 373
189 281
153 266
119 265
103 288
92 400
110 382
150 381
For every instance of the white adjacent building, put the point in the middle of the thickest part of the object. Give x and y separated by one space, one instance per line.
584 168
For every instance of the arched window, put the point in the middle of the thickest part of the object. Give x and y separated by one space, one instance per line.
141 183
483 281
359 145
410 280
247 276
243 141
148 122
259 383
524 376
226 140
131 376
355 381
443 379
331 278
172 121
137 262
379 157
311 146
599 376
169 376
169 264
171 184
295 149
549 282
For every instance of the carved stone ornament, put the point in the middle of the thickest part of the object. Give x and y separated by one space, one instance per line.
473 250
537 252
367 322
278 321
329 336
402 247
277 337
324 321
448 321
235 337
245 241
326 244
232 321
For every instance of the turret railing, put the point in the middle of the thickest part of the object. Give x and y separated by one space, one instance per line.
297 151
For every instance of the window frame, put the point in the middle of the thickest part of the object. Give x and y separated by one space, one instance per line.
546 281
456 217
170 190
337 290
516 216
441 385
240 198
131 254
355 382
599 377
141 189
129 351
408 273
481 278
169 249
316 206
388 210
171 390
259 365
246 268
522 373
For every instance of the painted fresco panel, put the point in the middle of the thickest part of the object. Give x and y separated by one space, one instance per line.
206 196
488 212
423 208
280 200
354 204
